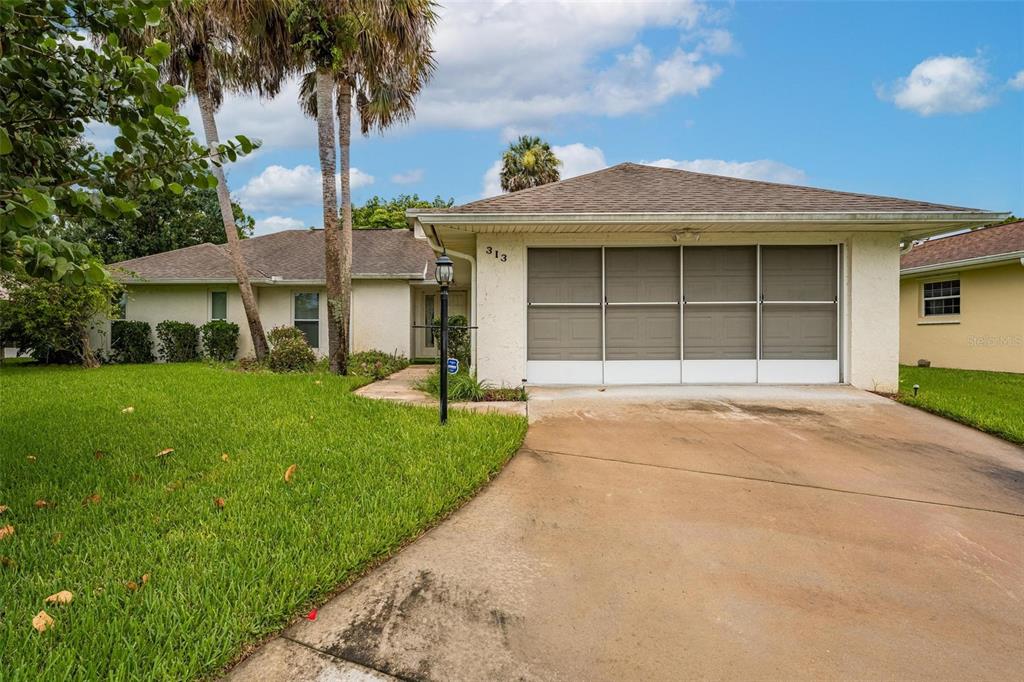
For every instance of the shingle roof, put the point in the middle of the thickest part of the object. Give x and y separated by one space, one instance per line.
985 241
634 188
291 255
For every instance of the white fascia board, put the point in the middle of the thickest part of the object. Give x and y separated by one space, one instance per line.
964 264
849 218
276 282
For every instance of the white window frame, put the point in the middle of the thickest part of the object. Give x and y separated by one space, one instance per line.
940 317
209 307
318 321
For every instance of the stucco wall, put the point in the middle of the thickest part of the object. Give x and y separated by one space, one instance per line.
870 318
988 333
381 316
873 289
381 311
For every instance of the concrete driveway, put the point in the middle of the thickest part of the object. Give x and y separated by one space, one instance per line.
689 532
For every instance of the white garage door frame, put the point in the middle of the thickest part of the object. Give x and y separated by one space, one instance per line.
729 371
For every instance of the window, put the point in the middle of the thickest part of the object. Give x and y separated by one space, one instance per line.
428 304
307 317
218 305
942 298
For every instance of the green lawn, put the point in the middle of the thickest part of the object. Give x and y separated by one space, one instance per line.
990 401
370 475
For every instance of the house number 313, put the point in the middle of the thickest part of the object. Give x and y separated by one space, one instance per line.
491 251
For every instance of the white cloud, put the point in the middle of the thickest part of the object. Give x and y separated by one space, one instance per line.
276 223
280 188
763 169
278 122
943 85
520 63
1017 82
409 177
576 158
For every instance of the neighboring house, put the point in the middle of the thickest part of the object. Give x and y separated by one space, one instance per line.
962 300
632 274
393 281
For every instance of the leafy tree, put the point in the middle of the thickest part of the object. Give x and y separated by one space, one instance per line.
381 212
52 84
378 55
217 46
51 321
528 162
190 218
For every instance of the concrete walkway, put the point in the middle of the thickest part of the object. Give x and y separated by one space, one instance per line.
401 387
720 533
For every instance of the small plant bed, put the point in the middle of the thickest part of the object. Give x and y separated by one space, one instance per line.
989 401
375 364
465 387
191 511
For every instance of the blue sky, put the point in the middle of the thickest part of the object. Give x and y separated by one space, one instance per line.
918 100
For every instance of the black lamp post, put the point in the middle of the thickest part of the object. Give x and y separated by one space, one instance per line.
444 273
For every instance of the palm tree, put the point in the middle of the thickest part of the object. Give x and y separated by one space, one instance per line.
528 162
382 61
217 46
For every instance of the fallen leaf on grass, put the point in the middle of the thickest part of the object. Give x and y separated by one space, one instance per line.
224 456
3 508
30 458
6 531
289 472
42 622
99 454
128 410
219 502
165 452
62 597
145 578
132 585
40 504
311 615
91 499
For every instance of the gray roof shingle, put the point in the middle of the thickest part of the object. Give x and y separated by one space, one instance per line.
986 241
635 188
290 255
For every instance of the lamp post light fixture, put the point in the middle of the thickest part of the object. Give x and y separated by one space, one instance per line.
444 273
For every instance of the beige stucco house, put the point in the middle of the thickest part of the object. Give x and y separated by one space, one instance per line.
629 275
962 300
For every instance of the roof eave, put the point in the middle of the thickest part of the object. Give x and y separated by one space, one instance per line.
831 217
965 263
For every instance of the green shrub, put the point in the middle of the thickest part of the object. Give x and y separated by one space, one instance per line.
458 339
463 386
289 351
131 341
179 341
375 364
284 333
220 340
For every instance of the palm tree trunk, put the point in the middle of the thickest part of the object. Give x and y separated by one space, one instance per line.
345 138
336 302
252 313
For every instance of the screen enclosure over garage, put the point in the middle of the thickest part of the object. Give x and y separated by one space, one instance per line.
684 314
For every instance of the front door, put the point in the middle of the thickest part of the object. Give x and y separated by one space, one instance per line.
428 308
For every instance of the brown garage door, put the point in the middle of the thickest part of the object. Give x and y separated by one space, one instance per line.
642 294
563 318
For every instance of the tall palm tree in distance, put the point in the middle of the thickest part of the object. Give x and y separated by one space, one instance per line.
379 56
218 46
528 162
